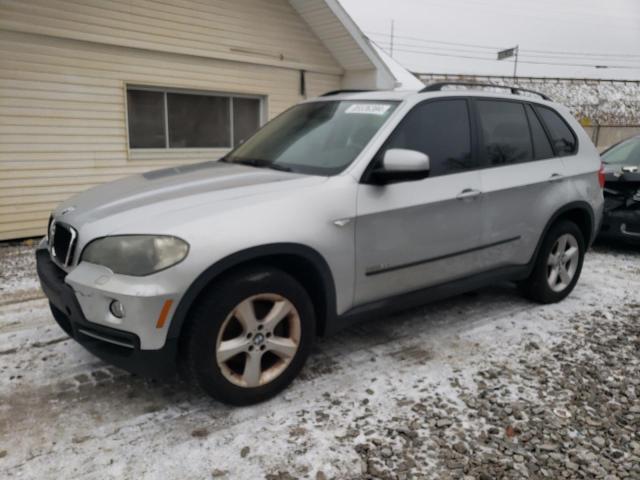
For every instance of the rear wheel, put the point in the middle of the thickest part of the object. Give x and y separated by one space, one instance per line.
249 338
558 264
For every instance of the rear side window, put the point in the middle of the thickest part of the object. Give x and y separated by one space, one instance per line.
541 146
563 139
505 132
440 129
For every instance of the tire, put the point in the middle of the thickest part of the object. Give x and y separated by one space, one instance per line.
538 286
234 330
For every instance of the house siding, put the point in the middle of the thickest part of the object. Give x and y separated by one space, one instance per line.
65 66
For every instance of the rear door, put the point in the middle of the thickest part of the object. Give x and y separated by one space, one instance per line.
419 233
523 179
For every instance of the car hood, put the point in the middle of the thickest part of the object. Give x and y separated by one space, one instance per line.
619 175
174 188
621 168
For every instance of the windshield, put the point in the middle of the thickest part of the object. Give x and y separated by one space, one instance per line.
320 138
625 153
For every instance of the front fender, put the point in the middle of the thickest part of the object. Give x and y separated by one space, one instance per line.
254 254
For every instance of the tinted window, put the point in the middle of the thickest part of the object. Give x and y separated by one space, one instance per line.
505 132
563 139
441 130
146 119
541 146
198 121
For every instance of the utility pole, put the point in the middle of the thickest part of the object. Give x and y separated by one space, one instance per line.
391 41
515 64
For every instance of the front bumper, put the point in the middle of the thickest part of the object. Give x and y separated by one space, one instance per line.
114 346
621 224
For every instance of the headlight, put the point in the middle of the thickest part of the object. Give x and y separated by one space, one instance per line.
136 254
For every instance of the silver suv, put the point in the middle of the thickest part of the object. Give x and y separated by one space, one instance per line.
342 208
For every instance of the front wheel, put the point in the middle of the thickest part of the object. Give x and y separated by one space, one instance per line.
250 337
558 264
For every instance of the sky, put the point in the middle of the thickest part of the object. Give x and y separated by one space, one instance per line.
463 36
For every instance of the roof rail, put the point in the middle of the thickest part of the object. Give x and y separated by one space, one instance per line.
436 87
338 92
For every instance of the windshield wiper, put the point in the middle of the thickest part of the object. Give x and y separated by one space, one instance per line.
257 162
276 166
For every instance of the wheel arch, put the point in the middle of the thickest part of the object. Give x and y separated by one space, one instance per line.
303 263
579 212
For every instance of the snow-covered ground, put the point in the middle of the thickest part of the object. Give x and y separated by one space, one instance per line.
486 385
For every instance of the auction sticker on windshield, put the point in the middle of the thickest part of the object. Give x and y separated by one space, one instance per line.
369 108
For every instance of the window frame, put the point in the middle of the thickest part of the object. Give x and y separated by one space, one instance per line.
484 161
535 107
544 131
476 135
176 90
366 175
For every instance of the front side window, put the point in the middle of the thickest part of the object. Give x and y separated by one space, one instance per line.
166 119
563 139
505 137
320 138
439 129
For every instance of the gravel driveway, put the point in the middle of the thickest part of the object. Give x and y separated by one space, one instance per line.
482 386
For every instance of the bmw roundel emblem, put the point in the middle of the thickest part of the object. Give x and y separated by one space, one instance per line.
67 210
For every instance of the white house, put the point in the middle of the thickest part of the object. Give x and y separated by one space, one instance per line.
91 90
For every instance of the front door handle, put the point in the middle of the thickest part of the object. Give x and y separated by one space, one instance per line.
468 193
556 177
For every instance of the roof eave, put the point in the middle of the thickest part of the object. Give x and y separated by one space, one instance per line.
369 67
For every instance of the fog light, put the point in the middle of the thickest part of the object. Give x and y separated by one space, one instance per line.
117 309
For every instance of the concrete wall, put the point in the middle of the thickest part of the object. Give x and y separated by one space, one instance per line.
604 136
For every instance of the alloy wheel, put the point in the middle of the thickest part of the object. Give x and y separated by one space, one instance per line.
258 340
562 262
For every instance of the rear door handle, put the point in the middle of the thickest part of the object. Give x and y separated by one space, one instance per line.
468 193
556 177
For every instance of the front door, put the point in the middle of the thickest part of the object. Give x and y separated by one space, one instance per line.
415 234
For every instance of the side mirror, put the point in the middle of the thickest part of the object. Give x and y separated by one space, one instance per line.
401 165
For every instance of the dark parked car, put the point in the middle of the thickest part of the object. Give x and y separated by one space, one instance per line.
621 219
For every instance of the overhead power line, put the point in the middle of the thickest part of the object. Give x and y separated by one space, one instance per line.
491 54
495 48
585 54
531 62
386 35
